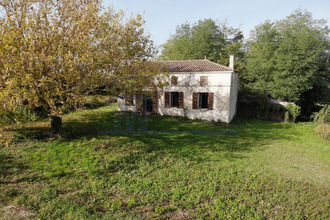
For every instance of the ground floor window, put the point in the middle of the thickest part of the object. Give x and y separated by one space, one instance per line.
129 100
174 99
148 104
203 100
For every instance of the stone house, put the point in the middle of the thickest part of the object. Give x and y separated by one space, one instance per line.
199 89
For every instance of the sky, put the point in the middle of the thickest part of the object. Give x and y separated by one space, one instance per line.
163 16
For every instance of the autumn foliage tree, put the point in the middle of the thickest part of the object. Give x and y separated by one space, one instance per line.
52 52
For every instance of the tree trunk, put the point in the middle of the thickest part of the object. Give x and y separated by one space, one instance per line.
56 124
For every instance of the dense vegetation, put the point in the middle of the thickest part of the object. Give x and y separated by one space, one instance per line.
164 168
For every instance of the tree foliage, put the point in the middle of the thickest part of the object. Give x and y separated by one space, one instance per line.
54 51
288 59
205 38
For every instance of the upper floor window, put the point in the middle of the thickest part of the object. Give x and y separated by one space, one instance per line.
204 81
174 80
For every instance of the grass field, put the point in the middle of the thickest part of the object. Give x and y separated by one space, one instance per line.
115 165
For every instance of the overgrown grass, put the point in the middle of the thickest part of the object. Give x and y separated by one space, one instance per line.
115 165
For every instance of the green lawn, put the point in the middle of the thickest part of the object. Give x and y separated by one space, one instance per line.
164 168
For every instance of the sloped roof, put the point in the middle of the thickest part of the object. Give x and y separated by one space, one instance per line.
193 66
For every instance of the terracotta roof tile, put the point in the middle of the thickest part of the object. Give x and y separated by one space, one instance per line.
193 66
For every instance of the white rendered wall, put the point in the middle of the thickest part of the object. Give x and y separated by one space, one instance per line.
224 86
233 95
123 107
218 83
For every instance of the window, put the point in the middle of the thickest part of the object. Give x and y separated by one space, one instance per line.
203 80
174 99
148 104
174 80
203 100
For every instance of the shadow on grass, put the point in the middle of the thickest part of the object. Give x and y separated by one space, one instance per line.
10 167
180 137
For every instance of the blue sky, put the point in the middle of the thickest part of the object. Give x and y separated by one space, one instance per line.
163 16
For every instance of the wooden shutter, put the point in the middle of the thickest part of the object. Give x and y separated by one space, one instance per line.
195 99
129 100
167 99
210 101
139 103
155 102
180 99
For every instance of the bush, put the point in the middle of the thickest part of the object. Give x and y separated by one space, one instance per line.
95 101
253 105
20 114
323 116
293 110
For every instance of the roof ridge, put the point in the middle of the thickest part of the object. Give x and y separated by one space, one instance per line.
182 60
216 63
197 65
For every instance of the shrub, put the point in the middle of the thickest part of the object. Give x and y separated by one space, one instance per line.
253 105
94 101
293 110
323 116
19 114
23 114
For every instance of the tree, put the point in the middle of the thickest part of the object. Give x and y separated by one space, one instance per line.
52 52
204 39
288 59
261 57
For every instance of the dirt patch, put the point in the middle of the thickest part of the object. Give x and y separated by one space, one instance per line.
179 214
16 212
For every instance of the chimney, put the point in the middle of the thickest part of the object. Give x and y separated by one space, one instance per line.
231 61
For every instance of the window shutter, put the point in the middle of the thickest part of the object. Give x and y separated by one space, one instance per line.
180 99
129 100
210 101
139 102
194 104
155 102
167 99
